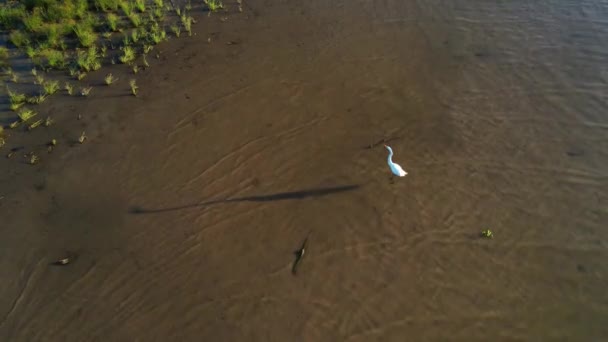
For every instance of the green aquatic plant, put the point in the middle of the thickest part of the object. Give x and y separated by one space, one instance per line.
50 87
69 88
26 114
39 79
19 39
86 91
157 34
214 5
34 159
126 7
187 22
176 30
15 98
135 19
81 75
128 55
85 34
88 59
3 56
140 5
134 87
112 21
109 79
48 122
34 125
487 234
38 99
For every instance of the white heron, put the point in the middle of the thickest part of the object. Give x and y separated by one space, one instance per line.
396 169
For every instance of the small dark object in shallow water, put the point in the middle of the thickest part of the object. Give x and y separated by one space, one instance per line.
69 258
299 255
575 153
62 262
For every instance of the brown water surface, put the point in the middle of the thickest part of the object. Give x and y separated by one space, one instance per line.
186 204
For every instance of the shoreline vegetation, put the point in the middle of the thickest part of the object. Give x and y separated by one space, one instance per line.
44 41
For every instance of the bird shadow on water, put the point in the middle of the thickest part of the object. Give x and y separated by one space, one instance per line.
280 196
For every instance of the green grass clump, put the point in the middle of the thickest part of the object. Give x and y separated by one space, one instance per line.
107 5
50 87
135 19
112 21
156 34
134 87
86 91
26 114
86 35
88 60
187 22
109 79
3 56
69 88
140 5
11 16
128 55
214 5
37 99
55 59
19 39
126 7
15 98
135 35
176 30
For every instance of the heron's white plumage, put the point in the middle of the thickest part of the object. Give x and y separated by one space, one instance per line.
396 169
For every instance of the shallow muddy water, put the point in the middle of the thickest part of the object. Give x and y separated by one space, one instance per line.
185 206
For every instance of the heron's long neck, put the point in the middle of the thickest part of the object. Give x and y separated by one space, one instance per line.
390 156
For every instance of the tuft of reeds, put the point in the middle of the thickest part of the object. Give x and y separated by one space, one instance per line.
85 91
214 5
26 114
35 124
37 99
39 79
128 55
134 87
50 87
15 98
109 79
69 88
176 30
112 21
140 5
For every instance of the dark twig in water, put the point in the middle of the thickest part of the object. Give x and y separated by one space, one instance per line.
299 255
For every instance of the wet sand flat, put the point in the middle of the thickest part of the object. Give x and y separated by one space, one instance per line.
187 203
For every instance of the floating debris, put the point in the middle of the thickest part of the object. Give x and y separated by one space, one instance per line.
62 262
